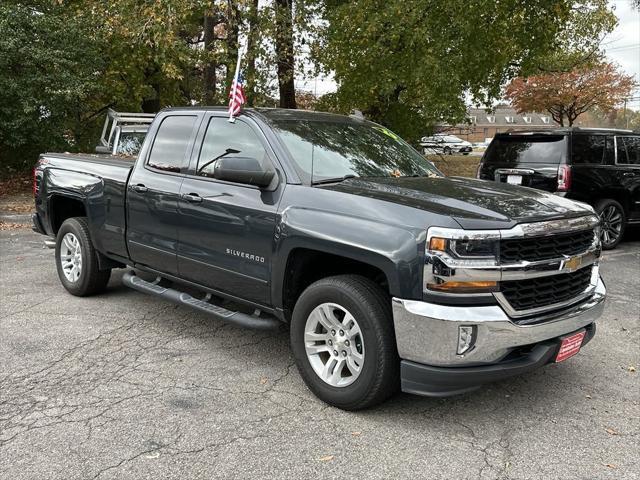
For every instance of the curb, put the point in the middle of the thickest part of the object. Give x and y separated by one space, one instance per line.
13 218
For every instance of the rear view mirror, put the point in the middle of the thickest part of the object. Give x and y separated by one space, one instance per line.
243 170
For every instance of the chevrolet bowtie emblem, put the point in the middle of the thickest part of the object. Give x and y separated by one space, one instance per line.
571 264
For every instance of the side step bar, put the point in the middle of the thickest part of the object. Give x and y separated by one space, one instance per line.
130 279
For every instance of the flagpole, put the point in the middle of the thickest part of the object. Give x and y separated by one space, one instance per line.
235 83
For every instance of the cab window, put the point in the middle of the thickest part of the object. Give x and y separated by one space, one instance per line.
169 149
228 140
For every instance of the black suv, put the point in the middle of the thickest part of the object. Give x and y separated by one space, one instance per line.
597 166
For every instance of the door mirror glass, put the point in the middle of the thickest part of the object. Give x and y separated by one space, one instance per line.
245 170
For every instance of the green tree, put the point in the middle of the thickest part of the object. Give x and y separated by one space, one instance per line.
411 63
50 69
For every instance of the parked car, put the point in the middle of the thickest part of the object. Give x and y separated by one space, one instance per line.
389 274
598 166
447 144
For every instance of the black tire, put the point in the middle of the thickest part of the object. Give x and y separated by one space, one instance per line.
371 307
613 222
447 151
91 279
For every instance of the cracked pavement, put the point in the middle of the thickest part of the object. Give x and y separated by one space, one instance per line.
123 385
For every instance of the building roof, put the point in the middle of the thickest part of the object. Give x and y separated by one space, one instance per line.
508 117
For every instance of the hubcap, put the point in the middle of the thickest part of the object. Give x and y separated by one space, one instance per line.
71 257
611 224
334 344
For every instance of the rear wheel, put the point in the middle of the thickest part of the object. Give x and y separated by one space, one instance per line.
77 260
613 222
343 341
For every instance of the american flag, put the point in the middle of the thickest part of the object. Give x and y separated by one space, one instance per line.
236 96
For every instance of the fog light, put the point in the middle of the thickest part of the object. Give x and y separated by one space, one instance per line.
466 339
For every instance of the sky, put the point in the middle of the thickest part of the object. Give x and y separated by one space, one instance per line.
622 46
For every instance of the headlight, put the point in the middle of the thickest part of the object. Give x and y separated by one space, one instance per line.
453 255
465 247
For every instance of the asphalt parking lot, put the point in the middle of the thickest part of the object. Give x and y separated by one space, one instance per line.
125 386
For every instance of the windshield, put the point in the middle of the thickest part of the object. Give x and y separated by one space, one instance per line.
339 149
517 150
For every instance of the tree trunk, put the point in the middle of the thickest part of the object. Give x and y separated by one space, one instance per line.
284 53
209 74
251 53
152 104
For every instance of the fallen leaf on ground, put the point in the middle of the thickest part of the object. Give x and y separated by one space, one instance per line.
611 431
356 434
632 369
610 465
263 380
326 458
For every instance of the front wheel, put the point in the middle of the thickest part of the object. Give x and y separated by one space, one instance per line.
343 341
77 260
612 223
447 151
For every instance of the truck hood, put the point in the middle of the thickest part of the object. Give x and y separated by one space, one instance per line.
474 204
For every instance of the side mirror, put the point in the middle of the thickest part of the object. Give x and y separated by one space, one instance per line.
243 170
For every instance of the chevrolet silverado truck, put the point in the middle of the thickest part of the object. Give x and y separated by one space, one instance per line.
389 274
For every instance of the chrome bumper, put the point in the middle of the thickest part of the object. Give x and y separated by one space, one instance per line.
427 333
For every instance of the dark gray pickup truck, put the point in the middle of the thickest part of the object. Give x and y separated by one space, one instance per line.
389 274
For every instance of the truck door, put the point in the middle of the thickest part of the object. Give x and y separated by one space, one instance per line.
227 229
153 191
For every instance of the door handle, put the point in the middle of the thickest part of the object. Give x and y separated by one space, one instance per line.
140 188
192 197
629 174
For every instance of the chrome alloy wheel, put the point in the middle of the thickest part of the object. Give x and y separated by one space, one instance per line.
71 257
334 344
611 224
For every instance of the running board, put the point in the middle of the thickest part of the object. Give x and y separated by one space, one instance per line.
130 279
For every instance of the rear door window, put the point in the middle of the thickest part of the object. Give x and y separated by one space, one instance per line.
628 150
530 149
169 149
588 149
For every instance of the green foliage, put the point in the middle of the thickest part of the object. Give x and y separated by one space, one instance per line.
46 77
407 64
412 63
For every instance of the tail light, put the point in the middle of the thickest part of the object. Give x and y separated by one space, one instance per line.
37 175
564 178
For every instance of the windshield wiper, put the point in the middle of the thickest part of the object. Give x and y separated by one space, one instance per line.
333 180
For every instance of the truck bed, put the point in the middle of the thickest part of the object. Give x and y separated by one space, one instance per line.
101 182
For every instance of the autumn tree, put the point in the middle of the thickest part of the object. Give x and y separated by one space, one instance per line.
568 95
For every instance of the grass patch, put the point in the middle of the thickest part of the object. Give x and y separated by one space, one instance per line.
456 165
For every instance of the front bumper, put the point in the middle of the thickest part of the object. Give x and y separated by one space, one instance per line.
427 333
446 381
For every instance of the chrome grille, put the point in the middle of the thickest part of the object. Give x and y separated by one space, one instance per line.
550 247
545 291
